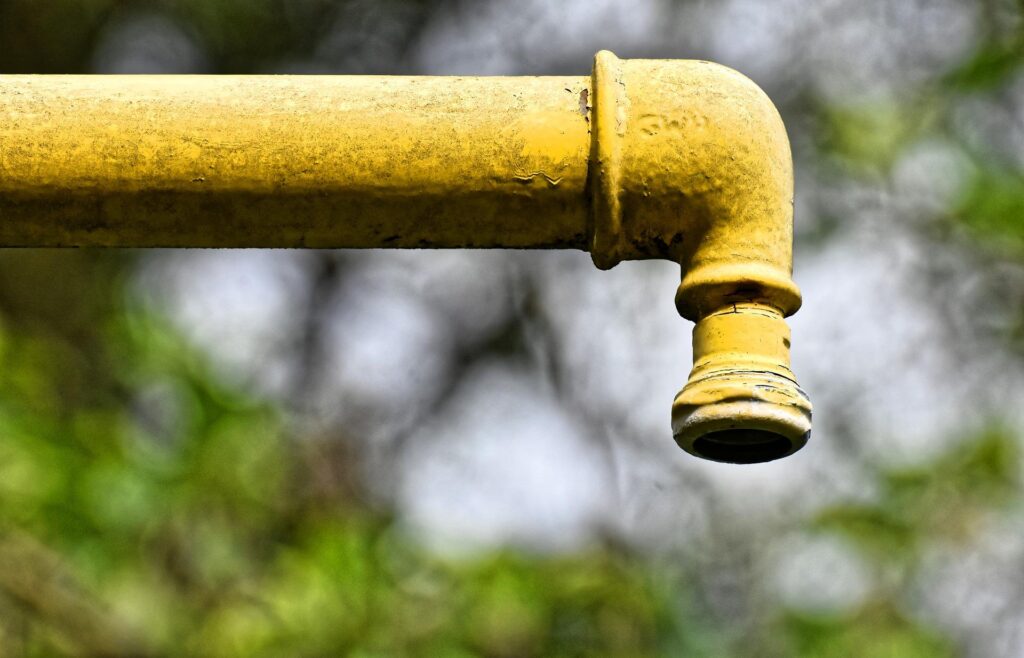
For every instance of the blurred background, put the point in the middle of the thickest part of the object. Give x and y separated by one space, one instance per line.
454 453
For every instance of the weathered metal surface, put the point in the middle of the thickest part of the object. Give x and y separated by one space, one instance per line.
292 161
742 403
682 160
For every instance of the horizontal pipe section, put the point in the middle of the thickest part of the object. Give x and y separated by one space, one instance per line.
293 161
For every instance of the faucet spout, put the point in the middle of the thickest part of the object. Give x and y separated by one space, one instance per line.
690 161
742 403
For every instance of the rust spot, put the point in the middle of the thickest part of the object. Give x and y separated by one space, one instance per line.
584 100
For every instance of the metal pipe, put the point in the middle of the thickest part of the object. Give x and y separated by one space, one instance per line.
682 160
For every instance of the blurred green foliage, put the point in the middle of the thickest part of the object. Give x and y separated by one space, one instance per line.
941 500
126 535
991 207
871 136
994 62
204 537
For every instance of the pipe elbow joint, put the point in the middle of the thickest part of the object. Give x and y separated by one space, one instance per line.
691 162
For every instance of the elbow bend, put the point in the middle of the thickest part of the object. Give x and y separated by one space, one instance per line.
690 161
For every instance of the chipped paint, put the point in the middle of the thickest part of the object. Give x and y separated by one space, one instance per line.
528 178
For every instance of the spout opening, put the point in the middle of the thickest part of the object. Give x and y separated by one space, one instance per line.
745 446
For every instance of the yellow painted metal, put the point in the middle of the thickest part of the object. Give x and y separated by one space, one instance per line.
742 403
292 161
682 160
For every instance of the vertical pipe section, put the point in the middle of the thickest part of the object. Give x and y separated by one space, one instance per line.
293 161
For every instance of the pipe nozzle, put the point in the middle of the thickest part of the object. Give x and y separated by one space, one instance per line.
742 404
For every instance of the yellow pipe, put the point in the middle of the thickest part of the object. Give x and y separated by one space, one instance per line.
682 160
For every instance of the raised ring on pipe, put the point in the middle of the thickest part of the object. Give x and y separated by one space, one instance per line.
609 125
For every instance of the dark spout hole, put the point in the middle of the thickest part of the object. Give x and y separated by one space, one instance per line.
742 446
